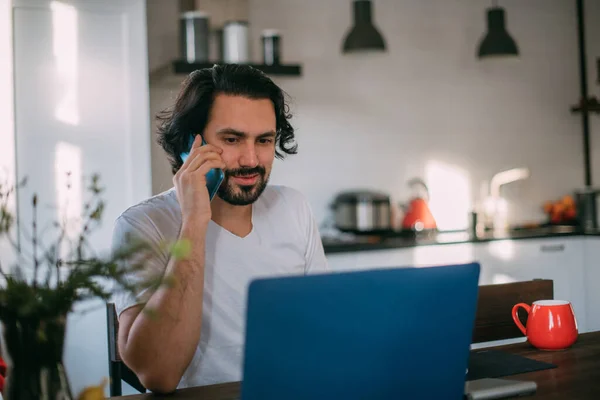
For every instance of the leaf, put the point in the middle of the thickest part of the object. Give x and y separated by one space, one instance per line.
96 215
6 219
41 334
181 249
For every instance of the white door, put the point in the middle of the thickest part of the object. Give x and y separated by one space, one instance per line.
81 105
7 131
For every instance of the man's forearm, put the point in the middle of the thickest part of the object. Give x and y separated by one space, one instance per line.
165 343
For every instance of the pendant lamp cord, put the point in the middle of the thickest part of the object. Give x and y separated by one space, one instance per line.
494 3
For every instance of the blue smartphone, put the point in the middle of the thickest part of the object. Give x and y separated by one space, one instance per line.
214 177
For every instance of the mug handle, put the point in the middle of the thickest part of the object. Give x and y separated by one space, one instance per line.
515 316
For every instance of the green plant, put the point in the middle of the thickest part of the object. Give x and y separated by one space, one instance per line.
56 283
44 282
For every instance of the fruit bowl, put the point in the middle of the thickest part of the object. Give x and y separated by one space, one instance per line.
562 211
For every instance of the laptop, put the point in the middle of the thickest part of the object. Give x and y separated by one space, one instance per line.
375 334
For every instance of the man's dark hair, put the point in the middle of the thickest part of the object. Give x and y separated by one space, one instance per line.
191 110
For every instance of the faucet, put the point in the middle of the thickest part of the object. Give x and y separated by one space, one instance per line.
495 208
504 177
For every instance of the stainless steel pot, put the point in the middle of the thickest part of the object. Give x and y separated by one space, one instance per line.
362 212
194 36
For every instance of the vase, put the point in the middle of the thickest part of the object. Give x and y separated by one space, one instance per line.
35 349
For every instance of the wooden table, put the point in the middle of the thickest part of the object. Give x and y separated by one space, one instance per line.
577 375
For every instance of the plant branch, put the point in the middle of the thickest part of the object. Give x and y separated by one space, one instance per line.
80 274
50 257
57 249
2 272
36 261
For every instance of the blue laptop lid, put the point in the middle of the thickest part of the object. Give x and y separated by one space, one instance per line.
377 334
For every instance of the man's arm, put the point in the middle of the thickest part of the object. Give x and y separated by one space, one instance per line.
159 347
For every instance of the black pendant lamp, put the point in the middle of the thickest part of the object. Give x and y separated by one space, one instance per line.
497 41
363 36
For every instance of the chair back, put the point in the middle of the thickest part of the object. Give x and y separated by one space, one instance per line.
493 320
117 369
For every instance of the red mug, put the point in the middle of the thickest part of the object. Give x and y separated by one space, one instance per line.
551 324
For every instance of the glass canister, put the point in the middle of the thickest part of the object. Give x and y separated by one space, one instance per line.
235 42
271 46
194 35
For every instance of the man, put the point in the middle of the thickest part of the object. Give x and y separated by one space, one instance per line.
249 230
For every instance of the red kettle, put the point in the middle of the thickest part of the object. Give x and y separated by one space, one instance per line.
418 216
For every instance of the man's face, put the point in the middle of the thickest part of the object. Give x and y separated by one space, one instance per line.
245 130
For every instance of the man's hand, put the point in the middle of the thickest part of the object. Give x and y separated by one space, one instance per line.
190 181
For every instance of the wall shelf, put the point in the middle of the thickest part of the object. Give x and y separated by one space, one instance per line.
184 67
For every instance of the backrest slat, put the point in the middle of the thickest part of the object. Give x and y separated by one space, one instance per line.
494 308
113 332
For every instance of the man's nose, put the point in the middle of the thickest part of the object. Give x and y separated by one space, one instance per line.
249 158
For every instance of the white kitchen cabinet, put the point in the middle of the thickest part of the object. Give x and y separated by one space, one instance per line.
559 259
444 254
370 259
592 283
418 256
342 261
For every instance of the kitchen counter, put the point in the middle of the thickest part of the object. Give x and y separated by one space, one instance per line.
365 243
566 255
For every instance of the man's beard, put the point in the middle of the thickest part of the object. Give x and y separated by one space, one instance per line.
242 195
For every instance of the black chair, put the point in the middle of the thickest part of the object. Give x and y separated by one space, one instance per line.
117 369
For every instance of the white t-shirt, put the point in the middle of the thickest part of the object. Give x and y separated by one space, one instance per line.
284 240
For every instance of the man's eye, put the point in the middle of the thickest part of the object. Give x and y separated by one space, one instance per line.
231 140
266 141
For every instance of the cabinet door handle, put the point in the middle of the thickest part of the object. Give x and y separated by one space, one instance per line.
552 248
